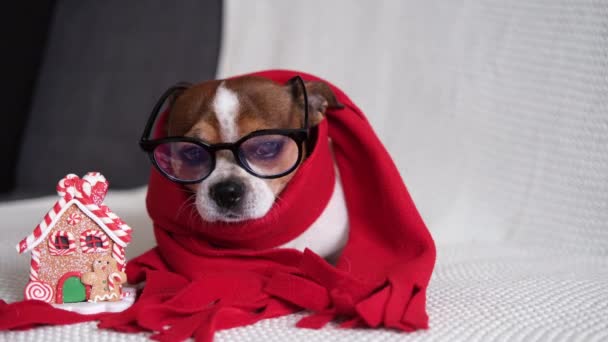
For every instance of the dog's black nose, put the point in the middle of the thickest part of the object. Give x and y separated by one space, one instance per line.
227 194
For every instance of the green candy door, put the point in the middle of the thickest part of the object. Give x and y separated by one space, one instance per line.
73 290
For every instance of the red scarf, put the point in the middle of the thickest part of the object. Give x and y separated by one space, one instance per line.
204 277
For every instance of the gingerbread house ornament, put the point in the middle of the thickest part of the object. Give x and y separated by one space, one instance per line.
78 250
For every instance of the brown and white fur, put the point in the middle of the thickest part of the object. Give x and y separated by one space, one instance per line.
225 110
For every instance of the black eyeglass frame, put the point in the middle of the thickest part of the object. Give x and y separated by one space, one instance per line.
299 135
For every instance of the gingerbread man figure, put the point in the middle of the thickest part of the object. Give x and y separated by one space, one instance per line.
105 280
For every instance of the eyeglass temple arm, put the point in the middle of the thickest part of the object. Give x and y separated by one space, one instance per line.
301 81
148 128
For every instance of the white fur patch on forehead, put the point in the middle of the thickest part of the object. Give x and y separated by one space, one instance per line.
226 108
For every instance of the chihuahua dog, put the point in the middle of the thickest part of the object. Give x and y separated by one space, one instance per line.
225 111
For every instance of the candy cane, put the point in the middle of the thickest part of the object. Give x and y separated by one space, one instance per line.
94 178
43 226
118 228
62 186
118 254
35 264
113 278
99 186
68 185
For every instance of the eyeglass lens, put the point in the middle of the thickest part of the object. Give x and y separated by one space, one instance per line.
263 155
269 155
183 160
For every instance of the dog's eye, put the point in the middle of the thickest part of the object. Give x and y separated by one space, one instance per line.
268 149
192 154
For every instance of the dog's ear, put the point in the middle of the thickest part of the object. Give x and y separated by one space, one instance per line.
174 93
320 97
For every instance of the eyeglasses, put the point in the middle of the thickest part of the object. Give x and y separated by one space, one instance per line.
268 153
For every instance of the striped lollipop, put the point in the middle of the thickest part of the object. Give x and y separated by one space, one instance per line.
38 290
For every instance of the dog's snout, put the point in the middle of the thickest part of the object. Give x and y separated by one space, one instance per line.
227 194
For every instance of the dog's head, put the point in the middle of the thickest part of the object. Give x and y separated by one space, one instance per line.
247 177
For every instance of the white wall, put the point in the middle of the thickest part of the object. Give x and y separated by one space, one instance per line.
494 111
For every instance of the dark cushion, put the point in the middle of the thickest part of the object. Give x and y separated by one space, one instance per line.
105 65
23 47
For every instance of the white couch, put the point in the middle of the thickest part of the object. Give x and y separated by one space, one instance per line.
496 113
